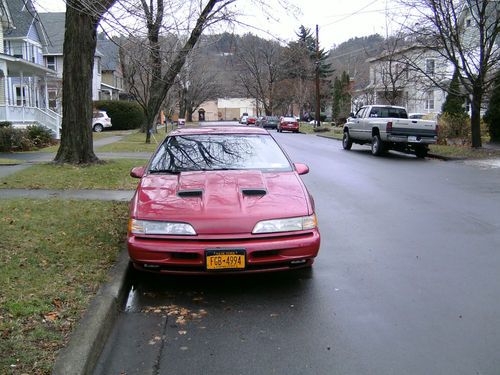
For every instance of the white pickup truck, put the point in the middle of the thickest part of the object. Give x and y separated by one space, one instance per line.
389 128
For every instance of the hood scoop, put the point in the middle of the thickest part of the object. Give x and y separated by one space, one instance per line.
252 192
196 193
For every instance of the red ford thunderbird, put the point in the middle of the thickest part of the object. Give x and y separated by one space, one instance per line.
221 199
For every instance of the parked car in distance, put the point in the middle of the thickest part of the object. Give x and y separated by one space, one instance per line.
251 120
100 120
269 122
243 118
289 124
208 202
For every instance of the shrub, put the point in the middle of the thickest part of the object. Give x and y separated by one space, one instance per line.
14 140
492 116
453 126
4 124
124 115
39 136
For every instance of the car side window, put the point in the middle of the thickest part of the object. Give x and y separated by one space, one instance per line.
375 112
360 112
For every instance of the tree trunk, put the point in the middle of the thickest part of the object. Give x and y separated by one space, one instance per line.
79 49
475 118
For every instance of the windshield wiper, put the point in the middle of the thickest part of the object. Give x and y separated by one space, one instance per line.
164 171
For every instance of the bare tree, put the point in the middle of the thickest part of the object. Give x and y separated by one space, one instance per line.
260 68
466 33
198 80
80 39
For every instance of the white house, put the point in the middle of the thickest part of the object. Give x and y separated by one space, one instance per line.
23 75
54 26
413 77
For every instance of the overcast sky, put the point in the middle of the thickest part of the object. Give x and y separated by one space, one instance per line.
338 20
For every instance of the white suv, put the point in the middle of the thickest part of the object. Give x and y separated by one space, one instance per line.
100 120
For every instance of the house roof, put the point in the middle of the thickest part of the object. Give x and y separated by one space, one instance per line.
24 16
109 54
5 17
54 26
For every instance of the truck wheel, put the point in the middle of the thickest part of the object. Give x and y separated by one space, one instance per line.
377 145
346 141
421 152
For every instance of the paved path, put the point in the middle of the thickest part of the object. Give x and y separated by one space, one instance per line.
107 195
26 159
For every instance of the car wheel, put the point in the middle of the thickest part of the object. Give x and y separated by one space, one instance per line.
98 128
346 141
421 152
377 145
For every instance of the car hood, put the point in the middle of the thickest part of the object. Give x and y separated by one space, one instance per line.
221 202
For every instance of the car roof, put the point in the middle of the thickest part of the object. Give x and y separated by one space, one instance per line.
219 130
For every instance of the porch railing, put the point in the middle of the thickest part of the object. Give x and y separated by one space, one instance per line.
24 116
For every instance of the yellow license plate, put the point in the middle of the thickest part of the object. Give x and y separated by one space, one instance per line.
225 259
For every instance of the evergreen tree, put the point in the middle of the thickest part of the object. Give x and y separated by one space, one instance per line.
454 103
341 97
492 116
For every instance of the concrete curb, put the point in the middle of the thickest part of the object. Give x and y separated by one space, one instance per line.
87 340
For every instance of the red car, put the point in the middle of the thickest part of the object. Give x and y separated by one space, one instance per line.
251 120
221 199
288 123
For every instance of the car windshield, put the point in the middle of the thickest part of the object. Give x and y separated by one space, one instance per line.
209 152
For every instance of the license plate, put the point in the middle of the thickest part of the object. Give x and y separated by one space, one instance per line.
225 259
412 139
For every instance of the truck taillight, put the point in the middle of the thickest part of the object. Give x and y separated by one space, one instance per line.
388 128
437 130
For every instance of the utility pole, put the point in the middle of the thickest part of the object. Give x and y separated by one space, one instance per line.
318 104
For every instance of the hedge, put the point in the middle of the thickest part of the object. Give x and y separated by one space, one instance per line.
124 115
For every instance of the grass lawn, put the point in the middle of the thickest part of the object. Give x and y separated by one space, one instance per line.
326 130
54 255
4 161
463 152
113 174
134 142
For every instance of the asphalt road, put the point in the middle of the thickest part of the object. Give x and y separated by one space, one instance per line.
407 282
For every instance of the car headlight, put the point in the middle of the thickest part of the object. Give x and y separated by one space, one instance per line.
160 227
286 225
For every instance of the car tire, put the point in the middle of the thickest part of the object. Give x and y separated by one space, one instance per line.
377 145
98 128
346 141
421 152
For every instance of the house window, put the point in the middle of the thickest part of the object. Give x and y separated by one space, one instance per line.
429 100
21 96
98 66
430 65
52 99
51 62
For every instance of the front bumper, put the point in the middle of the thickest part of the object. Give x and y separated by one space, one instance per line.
187 255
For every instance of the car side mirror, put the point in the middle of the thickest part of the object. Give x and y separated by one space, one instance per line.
137 172
351 114
301 168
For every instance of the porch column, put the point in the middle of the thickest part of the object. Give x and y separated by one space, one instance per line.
22 93
46 93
